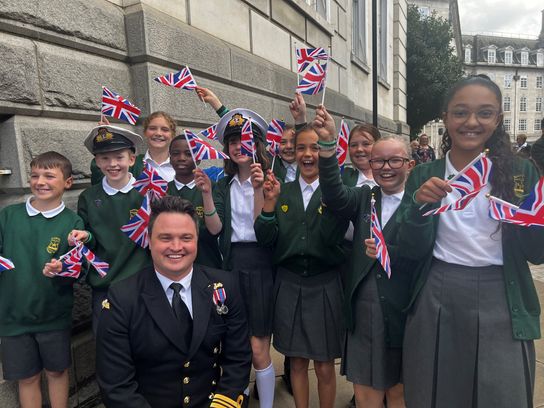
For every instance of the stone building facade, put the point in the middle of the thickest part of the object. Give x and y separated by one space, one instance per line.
56 55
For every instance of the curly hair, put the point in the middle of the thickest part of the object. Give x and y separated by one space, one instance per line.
500 151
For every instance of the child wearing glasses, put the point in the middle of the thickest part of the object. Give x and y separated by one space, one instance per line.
474 311
373 304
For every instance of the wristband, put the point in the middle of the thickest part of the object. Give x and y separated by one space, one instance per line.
209 214
89 237
331 144
268 216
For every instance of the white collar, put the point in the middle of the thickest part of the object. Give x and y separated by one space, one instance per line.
166 282
109 190
148 158
235 177
394 197
31 211
190 185
303 184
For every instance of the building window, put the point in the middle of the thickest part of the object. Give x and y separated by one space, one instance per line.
522 125
322 7
508 57
468 55
507 124
540 59
539 82
359 30
424 11
523 81
382 40
491 56
538 104
524 58
523 104
508 80
506 104
537 125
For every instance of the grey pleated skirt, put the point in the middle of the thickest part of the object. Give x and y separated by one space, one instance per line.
459 349
253 264
366 359
308 320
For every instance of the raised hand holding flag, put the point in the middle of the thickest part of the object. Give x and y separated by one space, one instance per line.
118 107
376 233
6 264
342 144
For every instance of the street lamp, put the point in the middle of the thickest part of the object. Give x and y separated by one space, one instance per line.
514 123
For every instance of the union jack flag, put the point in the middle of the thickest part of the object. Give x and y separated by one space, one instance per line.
100 266
313 80
273 136
247 147
342 146
501 210
460 204
116 106
182 79
201 149
71 263
210 133
136 228
6 264
150 180
531 210
305 56
381 249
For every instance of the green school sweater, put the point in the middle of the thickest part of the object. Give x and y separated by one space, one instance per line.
305 242
136 170
208 247
103 216
29 301
417 235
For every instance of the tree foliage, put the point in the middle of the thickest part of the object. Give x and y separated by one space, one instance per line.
431 67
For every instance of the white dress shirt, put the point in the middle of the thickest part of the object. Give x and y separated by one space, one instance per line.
109 190
390 203
307 190
468 237
179 185
242 205
31 211
165 169
185 291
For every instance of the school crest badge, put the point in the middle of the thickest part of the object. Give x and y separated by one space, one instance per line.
519 185
199 211
284 208
133 212
320 209
105 304
53 246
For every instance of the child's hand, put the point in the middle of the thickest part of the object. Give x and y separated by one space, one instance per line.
77 235
51 269
370 248
209 97
298 109
271 187
432 191
323 124
202 181
257 175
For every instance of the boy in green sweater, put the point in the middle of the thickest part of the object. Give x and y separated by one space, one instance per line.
35 311
184 185
107 206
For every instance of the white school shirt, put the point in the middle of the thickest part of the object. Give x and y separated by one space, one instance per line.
307 190
179 185
390 203
31 211
242 205
109 190
468 237
185 291
291 169
165 169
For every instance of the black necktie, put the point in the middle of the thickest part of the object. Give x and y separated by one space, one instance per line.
182 314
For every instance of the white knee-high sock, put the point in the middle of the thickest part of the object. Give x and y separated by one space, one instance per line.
266 382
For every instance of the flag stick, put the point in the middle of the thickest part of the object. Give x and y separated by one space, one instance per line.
326 74
505 203
190 148
273 160
296 61
252 142
372 203
201 98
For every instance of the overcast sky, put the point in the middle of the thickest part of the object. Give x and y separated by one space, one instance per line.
508 16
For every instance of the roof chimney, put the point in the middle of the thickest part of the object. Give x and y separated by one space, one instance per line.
541 36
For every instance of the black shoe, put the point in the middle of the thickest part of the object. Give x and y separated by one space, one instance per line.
256 392
352 402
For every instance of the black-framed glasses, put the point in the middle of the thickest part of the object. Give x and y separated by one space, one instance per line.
393 162
483 116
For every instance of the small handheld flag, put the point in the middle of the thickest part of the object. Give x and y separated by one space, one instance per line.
501 210
342 145
247 144
6 264
531 210
313 80
381 249
150 180
182 79
306 56
101 267
71 263
210 133
136 228
201 149
274 135
118 107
